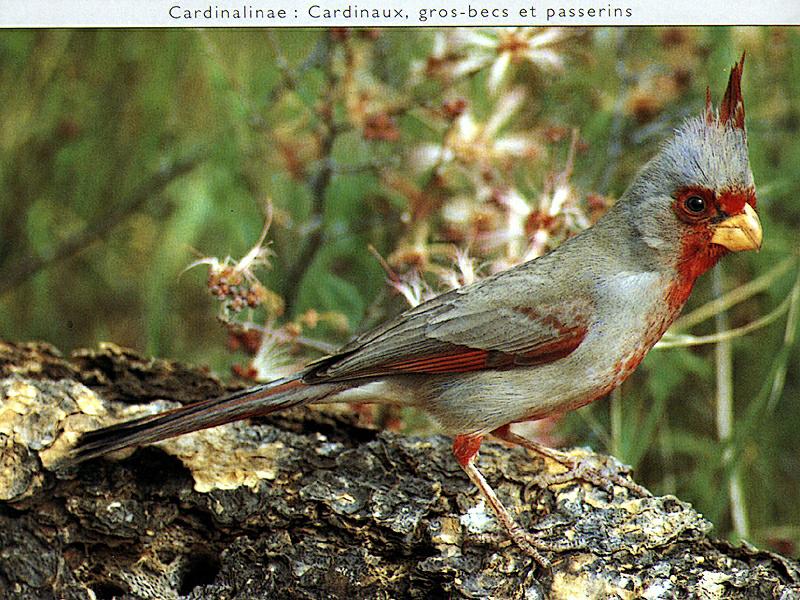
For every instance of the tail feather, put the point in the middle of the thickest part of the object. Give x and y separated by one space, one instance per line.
257 401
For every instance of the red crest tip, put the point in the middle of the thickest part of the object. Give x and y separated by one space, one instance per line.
731 109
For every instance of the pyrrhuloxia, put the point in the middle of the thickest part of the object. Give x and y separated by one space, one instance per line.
544 337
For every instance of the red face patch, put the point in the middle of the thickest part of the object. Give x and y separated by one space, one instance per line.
695 206
732 202
696 203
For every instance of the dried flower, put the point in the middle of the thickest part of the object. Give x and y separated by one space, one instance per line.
472 143
381 126
412 287
272 361
501 47
235 283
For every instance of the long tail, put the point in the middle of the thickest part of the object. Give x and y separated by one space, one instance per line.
256 401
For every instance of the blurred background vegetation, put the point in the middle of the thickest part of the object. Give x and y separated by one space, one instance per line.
389 165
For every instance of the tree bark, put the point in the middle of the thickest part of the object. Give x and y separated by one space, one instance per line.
308 504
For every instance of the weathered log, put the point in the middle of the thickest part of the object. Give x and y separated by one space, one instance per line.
308 504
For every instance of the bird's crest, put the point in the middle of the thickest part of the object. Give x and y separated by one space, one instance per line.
731 109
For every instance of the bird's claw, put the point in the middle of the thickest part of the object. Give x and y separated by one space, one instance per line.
583 469
530 544
605 477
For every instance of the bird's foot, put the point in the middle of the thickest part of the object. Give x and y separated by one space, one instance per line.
604 476
529 543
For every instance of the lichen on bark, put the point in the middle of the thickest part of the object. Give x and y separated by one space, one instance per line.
308 504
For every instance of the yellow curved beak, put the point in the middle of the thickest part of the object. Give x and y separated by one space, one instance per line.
739 232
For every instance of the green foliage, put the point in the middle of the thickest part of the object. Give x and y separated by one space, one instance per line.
124 154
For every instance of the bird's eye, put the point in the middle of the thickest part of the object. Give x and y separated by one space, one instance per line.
695 204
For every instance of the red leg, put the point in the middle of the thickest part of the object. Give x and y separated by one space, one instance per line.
465 449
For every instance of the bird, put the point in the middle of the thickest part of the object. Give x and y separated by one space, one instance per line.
544 337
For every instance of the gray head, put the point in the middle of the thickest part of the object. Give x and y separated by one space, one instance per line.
695 199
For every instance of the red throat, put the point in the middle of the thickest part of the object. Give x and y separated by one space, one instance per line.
697 256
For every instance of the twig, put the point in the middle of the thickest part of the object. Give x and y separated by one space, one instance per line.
766 400
119 212
724 414
789 338
739 294
319 184
615 408
681 340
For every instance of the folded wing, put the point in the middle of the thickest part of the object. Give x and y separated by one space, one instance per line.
462 331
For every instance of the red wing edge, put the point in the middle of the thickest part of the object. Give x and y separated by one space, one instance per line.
462 359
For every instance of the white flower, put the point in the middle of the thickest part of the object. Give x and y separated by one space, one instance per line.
501 47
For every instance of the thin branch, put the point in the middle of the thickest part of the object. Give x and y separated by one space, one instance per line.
789 339
289 73
319 185
117 214
681 340
723 362
766 400
739 294
617 423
